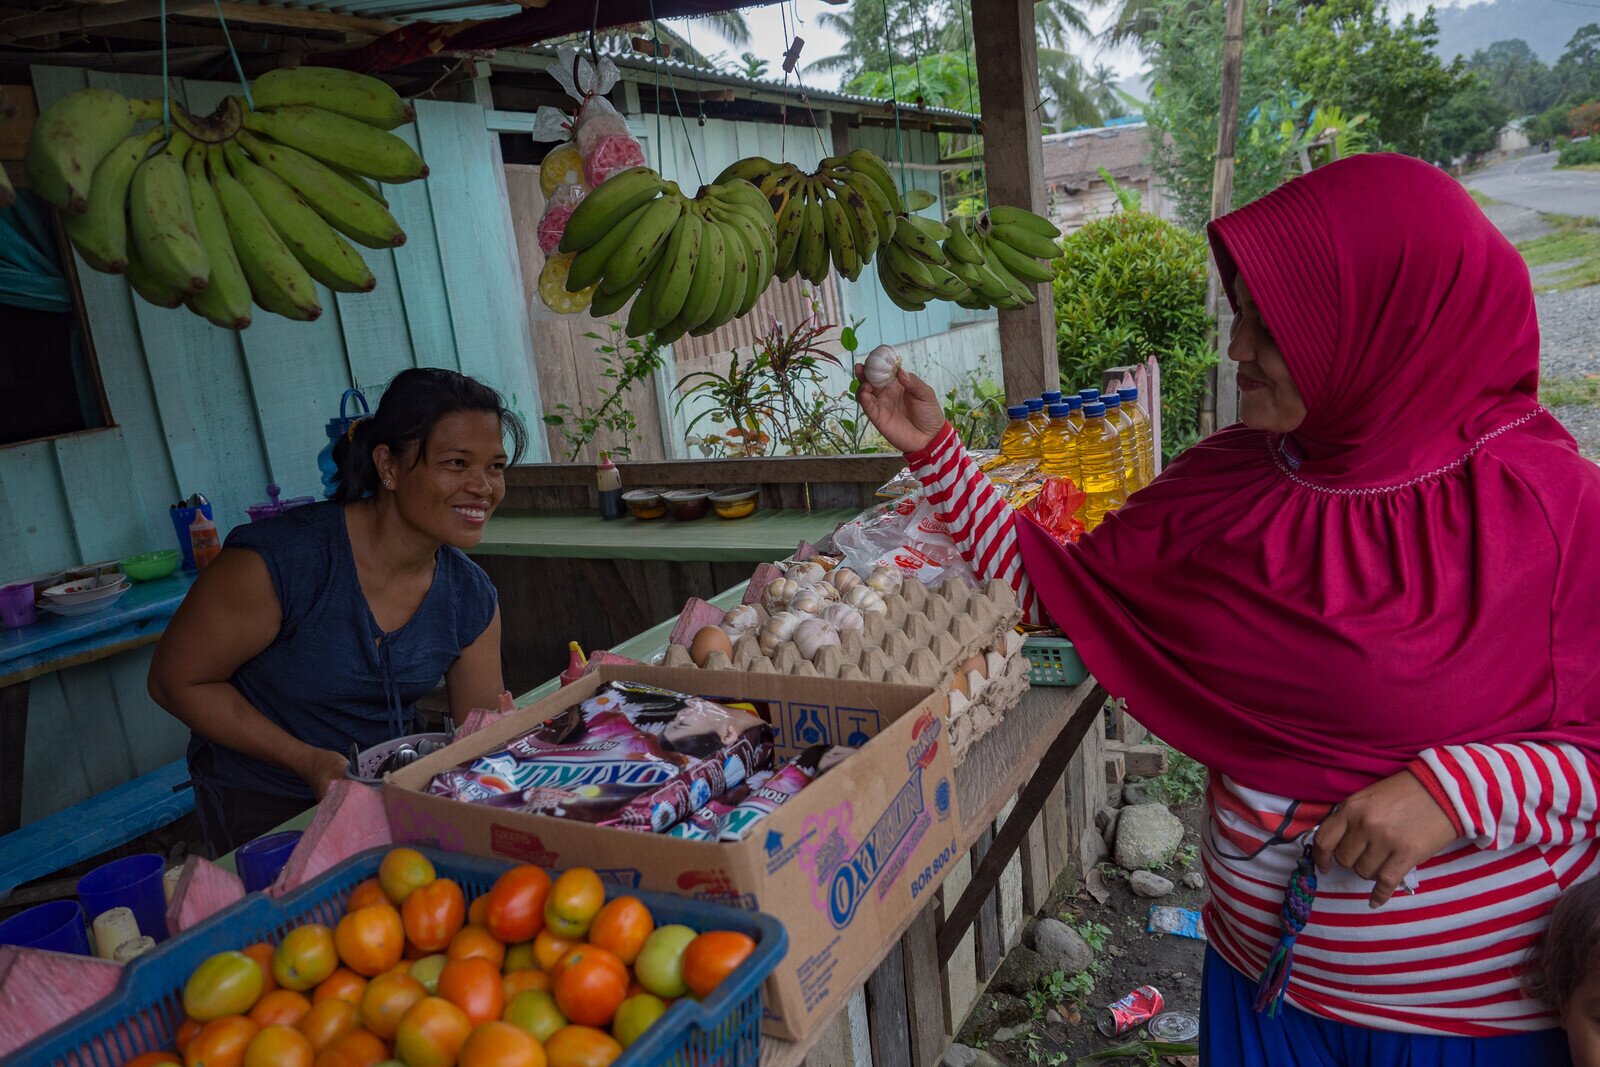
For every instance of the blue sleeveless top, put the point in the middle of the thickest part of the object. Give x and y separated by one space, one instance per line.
332 676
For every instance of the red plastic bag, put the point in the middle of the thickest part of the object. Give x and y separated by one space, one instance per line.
1055 508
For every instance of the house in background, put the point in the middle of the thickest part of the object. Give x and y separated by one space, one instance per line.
1072 165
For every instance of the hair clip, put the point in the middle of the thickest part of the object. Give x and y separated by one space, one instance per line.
350 434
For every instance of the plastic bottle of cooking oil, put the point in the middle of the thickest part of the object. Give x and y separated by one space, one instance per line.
1128 438
1017 441
1089 395
1144 434
1075 402
1060 445
1100 455
1037 418
1050 396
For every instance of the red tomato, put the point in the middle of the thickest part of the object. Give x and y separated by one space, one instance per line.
433 915
516 903
475 986
713 956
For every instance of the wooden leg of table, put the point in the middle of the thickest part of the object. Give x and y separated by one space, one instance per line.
13 748
924 1002
987 921
888 1020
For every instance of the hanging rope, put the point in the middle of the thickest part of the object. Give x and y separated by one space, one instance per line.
244 83
894 94
792 57
166 89
965 13
655 31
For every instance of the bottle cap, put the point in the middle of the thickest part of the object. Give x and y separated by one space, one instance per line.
1017 411
1095 410
1052 396
1089 395
1075 402
1130 393
1034 404
605 462
1111 400
1059 411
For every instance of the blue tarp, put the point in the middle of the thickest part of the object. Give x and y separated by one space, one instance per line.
30 273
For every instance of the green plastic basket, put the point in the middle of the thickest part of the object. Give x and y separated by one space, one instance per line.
1054 661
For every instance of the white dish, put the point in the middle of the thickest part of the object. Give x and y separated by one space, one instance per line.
72 610
87 590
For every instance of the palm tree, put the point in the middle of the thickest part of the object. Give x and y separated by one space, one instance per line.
1102 89
730 26
754 65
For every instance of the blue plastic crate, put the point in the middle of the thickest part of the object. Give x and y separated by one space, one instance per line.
144 1012
1053 661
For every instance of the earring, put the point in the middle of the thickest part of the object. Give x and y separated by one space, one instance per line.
388 485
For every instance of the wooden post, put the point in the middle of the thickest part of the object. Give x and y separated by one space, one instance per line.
1224 380
1013 160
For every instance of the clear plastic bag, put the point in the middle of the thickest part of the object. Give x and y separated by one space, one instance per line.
612 155
905 534
557 210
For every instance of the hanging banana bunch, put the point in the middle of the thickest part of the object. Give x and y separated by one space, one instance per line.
987 262
245 206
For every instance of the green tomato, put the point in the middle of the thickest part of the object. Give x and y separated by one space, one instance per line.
228 983
636 1015
660 962
427 971
535 1011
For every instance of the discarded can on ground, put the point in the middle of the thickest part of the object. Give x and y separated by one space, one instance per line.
1129 1012
1174 1026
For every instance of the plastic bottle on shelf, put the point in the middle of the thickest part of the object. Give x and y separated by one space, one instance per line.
1017 441
1144 434
1037 419
1089 395
203 539
1075 402
1100 455
1061 445
1128 438
608 482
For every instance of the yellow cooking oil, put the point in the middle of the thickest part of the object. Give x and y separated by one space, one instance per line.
1060 445
1144 434
1100 456
1018 441
1128 438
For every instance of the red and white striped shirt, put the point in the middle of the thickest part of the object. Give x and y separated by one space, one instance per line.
1445 955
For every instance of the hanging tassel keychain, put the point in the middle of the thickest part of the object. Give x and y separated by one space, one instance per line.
1297 902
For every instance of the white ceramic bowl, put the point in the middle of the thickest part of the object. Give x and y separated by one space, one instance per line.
71 610
87 590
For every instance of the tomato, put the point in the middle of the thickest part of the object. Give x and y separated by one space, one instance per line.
343 984
433 914
536 1012
622 926
581 1046
371 940
548 947
474 986
186 1031
427 970
636 1015
305 957
388 998
476 941
153 1059
478 910
589 984
431 1033
225 984
358 1048
365 894
402 870
281 1007
713 956
221 1042
279 1046
261 952
660 962
498 1044
516 903
519 957
515 982
328 1020
573 902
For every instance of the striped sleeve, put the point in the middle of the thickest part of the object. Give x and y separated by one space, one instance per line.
1505 795
981 523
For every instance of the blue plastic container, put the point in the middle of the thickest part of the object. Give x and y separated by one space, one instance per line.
182 519
143 1014
259 861
56 926
133 882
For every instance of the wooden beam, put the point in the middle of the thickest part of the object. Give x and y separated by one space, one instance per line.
1224 381
83 19
1013 160
1147 761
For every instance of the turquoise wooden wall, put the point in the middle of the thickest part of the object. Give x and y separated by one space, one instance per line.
200 409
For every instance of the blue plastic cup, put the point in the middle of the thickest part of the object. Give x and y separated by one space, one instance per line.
182 519
133 883
258 862
57 926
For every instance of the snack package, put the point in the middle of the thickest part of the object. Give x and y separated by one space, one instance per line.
765 798
557 210
1055 507
903 533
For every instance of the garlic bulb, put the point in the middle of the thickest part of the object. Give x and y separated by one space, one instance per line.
864 600
740 618
812 636
885 580
778 629
826 591
844 579
882 366
807 602
778 593
843 617
805 572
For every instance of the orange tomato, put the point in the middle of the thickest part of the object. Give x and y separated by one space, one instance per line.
305 957
153 1059
581 1046
622 927
474 986
713 956
403 870
228 983
431 1033
371 940
388 998
281 1007
433 915
262 952
365 894
475 941
279 1046
498 1044
328 1020
358 1048
590 983
515 982
343 984
221 1042
549 947
516 910
478 910
186 1031
573 902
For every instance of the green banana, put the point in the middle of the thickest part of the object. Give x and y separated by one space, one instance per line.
147 285
72 136
933 229
334 138
751 169
896 290
638 321
759 217
959 245
1019 290
100 234
604 304
161 219
910 237
639 250
814 242
670 332
589 266
1018 263
343 92
969 273
1025 241
916 200
225 300
735 279
277 280
1006 215
678 264
913 273
753 236
326 256
706 288
946 286
791 223
330 194
841 242
365 186
869 164
610 202
865 203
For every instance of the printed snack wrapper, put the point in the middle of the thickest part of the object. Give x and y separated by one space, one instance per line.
1055 507
903 533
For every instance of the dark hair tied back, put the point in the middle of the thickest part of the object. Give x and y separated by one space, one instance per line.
411 407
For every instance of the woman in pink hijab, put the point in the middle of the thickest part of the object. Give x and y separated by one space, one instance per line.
1372 611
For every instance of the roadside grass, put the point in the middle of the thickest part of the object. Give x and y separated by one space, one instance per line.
1570 392
1482 199
1575 243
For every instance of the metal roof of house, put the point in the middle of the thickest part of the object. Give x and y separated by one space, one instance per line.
1075 158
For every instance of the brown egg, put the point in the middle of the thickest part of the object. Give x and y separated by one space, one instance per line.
707 640
958 684
976 663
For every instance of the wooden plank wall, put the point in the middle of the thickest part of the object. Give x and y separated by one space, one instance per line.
200 409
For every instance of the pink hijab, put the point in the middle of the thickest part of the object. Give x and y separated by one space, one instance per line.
1417 565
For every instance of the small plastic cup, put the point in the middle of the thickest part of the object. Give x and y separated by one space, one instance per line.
56 926
182 519
133 883
16 606
258 862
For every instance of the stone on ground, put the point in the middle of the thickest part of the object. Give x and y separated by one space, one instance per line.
1021 972
1194 880
1061 947
1149 884
1147 836
959 1055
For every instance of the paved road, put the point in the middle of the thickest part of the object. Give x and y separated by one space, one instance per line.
1533 182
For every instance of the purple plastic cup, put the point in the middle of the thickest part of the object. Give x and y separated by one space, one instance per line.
133 883
258 862
57 926
16 606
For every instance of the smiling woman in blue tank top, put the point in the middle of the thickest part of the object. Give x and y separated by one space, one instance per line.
321 628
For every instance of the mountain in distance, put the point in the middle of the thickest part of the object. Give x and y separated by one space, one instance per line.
1547 26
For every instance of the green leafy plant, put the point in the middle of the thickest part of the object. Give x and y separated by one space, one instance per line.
977 410
1184 780
625 362
1094 934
